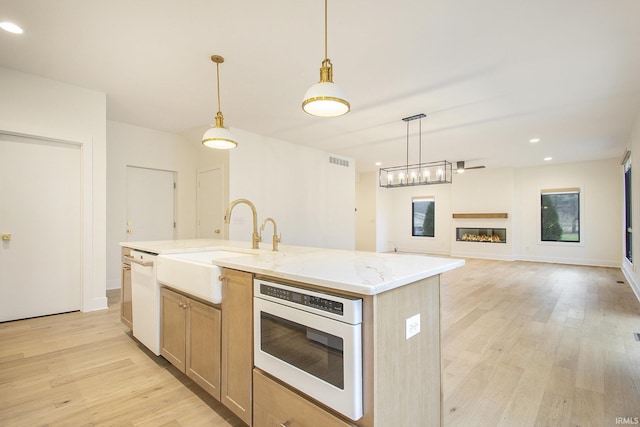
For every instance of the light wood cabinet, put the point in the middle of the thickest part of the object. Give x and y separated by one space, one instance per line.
190 338
126 309
276 405
203 346
173 325
237 342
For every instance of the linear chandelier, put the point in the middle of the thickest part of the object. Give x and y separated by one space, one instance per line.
408 175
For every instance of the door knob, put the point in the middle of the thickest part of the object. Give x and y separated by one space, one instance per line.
129 231
217 231
6 236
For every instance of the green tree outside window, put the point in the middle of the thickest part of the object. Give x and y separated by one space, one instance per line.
560 216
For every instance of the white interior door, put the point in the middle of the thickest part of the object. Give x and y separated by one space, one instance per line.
40 219
210 204
150 204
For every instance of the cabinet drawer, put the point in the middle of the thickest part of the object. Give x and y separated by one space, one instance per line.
275 405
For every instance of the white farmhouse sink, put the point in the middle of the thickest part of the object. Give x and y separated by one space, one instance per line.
194 273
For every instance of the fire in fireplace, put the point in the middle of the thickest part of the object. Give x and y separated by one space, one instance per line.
484 235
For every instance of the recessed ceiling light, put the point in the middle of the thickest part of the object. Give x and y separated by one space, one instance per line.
546 159
11 27
534 140
378 163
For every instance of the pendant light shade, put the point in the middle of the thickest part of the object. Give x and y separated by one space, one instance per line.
218 136
325 98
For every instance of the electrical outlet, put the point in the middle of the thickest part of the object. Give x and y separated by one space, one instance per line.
412 326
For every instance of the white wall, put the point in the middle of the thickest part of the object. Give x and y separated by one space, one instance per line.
312 201
366 211
600 215
483 191
136 146
384 216
395 219
517 193
631 271
42 108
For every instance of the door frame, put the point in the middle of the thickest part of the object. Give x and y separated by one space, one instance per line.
88 302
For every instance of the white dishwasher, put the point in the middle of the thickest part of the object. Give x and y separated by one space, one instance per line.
145 300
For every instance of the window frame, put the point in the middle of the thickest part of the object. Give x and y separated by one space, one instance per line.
414 199
628 212
558 191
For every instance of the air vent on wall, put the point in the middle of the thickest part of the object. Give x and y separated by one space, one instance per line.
338 161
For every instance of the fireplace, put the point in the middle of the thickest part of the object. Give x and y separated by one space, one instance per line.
482 235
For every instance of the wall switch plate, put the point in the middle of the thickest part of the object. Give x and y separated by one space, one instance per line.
412 326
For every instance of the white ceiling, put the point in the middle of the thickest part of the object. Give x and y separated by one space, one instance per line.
489 75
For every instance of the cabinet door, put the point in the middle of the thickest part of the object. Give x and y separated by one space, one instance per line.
237 342
172 327
126 312
203 346
276 405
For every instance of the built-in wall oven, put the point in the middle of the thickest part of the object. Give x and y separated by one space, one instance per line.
312 341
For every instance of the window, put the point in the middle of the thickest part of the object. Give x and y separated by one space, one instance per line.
423 216
627 212
560 216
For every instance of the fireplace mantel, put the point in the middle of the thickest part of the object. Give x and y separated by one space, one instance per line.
498 215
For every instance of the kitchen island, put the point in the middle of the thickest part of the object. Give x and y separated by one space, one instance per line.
400 329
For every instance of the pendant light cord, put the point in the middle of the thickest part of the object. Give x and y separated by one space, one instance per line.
420 148
218 82
420 141
326 56
407 150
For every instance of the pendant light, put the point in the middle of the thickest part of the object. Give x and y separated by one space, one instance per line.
325 98
218 136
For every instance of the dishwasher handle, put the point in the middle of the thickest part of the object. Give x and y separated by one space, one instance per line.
142 262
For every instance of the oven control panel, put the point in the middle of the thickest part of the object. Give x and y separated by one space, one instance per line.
344 308
318 303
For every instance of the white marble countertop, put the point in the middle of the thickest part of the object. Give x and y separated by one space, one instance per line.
365 273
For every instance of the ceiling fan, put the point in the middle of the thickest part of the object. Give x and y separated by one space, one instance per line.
460 167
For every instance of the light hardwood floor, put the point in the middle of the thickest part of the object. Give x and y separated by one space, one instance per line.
532 344
78 369
524 344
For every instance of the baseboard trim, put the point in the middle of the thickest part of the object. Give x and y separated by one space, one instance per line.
496 257
100 303
571 261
